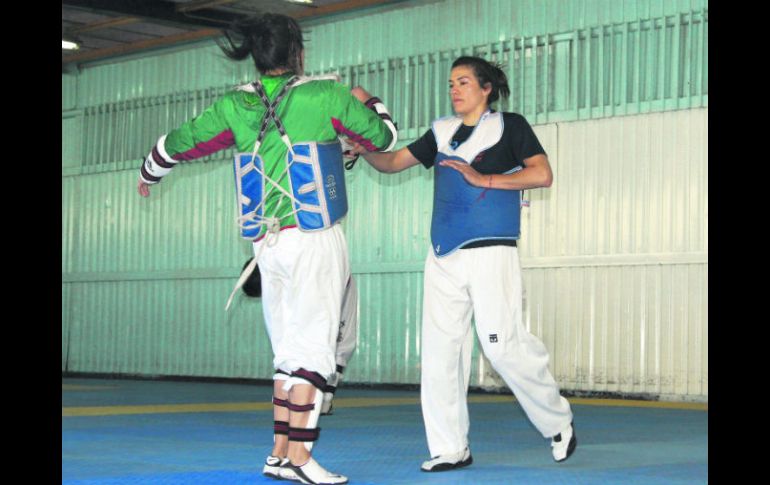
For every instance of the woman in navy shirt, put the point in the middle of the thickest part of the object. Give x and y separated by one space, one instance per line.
483 160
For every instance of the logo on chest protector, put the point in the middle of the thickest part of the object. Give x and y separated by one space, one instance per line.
331 187
493 337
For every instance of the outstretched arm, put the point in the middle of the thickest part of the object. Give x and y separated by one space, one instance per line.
387 162
391 162
198 137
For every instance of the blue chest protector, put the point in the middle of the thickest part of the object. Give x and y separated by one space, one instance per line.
463 213
316 178
316 181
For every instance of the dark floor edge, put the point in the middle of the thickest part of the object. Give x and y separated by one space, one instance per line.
351 385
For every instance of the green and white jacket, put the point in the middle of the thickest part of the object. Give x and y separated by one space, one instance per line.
314 109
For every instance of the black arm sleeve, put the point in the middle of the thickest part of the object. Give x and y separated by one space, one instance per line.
524 141
424 149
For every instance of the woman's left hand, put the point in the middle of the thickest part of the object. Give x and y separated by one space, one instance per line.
471 175
143 188
362 94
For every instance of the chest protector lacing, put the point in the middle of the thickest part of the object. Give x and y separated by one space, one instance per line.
316 180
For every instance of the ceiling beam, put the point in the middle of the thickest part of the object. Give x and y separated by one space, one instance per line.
158 10
317 11
106 24
192 6
141 45
164 10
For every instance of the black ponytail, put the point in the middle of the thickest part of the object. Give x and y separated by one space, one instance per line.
487 73
273 41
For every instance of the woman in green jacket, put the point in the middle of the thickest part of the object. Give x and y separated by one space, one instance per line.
291 195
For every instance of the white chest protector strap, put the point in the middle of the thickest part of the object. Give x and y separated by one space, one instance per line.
316 180
316 183
250 178
250 183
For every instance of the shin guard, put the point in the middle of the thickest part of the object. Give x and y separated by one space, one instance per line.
310 432
279 426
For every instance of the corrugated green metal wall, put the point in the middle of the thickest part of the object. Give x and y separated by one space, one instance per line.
608 70
145 281
432 26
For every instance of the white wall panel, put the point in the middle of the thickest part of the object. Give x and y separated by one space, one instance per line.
615 255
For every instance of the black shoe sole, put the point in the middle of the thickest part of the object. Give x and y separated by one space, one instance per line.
442 467
570 448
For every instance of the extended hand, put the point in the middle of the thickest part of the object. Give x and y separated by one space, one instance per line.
354 148
361 94
471 175
143 188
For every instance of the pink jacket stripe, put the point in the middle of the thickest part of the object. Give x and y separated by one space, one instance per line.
219 142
